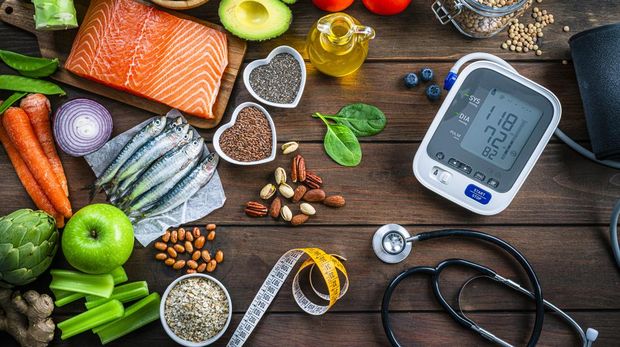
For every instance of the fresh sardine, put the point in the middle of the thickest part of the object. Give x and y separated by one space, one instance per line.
152 150
165 168
149 131
187 187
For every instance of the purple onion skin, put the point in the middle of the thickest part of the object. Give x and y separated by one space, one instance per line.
70 138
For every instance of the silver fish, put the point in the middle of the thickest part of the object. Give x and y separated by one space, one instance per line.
149 131
152 150
187 187
148 199
165 168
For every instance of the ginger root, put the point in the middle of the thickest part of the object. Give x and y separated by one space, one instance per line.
27 317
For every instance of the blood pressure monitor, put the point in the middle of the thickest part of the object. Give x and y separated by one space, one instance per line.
486 137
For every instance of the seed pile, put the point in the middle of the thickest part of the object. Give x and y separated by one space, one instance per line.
477 25
524 38
196 309
249 139
175 243
278 81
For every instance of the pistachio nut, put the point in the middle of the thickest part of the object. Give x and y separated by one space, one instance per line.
286 190
267 191
286 213
289 147
307 209
280 175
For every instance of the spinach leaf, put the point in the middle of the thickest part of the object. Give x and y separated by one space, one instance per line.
362 119
341 144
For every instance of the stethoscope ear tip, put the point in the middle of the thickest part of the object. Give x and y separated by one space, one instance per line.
591 335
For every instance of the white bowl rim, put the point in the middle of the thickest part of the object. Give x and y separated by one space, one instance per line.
233 120
172 335
258 62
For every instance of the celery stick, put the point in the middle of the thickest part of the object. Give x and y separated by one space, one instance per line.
105 313
73 281
125 293
136 316
64 297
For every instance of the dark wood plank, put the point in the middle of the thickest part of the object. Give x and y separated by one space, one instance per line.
412 329
563 188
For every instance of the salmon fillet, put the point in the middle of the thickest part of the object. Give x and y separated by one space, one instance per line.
137 48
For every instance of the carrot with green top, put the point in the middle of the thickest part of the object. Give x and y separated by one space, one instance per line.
38 109
25 176
17 125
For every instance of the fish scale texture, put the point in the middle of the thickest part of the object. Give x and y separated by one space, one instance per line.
134 47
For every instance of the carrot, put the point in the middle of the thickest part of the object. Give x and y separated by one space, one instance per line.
38 109
18 127
25 176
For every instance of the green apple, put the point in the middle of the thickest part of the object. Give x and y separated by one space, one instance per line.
98 239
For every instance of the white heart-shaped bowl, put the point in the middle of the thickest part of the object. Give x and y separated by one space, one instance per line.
233 119
256 63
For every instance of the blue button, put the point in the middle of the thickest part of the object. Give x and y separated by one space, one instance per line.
478 194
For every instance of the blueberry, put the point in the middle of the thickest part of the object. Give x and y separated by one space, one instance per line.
411 80
433 92
426 74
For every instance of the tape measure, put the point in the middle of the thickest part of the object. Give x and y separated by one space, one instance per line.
328 265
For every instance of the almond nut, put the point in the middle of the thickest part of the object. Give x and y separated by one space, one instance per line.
188 247
307 209
274 209
299 193
286 213
289 147
314 195
199 242
334 201
255 209
286 190
161 246
219 256
299 219
161 256
267 191
166 236
179 264
169 261
280 175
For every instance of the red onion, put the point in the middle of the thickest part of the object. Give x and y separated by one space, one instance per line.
82 126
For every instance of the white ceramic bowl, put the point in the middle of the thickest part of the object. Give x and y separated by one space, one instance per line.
281 49
233 119
165 324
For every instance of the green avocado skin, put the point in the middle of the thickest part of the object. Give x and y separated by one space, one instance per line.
257 20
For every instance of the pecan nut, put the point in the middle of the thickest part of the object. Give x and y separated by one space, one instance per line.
313 181
294 168
298 169
255 209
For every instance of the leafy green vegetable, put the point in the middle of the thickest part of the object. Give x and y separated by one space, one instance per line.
341 144
99 315
362 119
73 281
124 293
10 101
64 297
29 66
136 316
29 85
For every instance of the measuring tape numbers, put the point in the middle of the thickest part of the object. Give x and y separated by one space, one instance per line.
328 265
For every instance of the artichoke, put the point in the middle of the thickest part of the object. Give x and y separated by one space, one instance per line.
28 243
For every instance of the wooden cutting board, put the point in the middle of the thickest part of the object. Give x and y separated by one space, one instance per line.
57 44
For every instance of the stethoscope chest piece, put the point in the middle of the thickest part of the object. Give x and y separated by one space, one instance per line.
391 243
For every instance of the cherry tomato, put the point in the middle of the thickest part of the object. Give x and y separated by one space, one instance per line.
386 7
332 5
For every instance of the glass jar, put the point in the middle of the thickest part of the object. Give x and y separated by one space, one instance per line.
479 18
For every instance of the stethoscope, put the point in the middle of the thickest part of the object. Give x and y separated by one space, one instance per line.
392 243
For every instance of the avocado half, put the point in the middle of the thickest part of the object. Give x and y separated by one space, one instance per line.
255 20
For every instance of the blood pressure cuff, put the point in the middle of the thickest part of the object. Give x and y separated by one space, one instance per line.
596 57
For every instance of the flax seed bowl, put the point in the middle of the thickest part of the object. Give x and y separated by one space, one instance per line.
195 310
249 138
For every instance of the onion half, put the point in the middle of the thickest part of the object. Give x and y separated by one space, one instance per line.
82 126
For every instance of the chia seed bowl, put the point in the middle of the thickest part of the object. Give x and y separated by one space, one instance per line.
220 296
277 76
220 145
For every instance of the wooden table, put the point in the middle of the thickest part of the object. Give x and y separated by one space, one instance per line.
558 220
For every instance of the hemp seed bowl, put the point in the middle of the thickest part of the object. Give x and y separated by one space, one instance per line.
249 138
195 310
